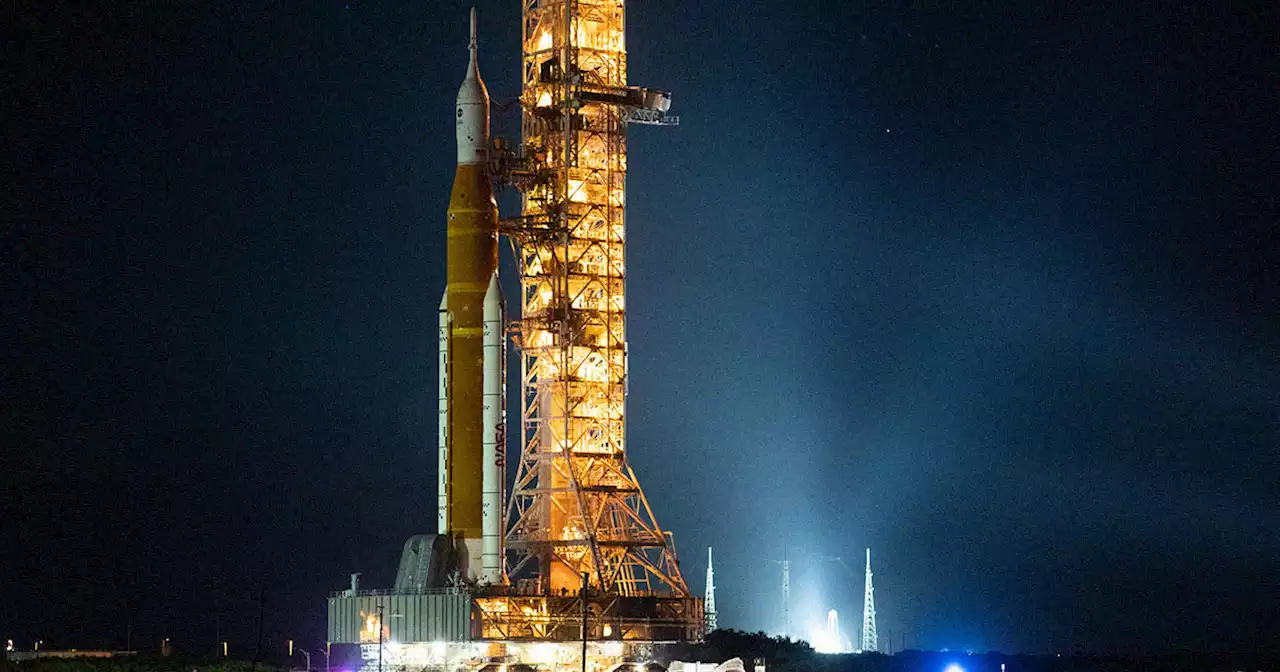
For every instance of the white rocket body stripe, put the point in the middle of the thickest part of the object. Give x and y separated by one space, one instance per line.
442 445
494 446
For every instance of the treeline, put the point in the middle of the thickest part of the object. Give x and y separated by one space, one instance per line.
721 645
781 655
133 664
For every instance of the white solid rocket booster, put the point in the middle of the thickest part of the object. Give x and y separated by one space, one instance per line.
442 444
494 447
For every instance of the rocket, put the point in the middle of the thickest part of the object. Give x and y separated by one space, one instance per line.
472 402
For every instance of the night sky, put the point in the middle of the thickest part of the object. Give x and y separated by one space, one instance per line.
993 290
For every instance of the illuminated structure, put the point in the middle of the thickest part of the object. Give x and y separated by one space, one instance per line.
576 506
833 628
709 602
577 521
574 556
868 613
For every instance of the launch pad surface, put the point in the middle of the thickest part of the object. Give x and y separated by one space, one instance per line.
463 616
457 630
508 656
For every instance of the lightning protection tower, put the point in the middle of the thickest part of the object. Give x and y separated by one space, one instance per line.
709 602
868 613
576 507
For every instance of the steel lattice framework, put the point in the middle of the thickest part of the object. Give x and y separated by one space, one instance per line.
709 601
576 506
869 640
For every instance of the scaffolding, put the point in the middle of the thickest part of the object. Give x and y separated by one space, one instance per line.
576 507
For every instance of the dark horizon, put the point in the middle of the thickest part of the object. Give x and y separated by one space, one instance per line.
990 290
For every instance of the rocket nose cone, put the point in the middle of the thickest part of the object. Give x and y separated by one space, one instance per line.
472 110
493 300
473 89
473 27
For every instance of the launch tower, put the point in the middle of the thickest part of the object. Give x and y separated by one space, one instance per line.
577 521
869 642
709 602
576 507
577 515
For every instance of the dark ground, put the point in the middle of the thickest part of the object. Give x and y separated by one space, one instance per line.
779 657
